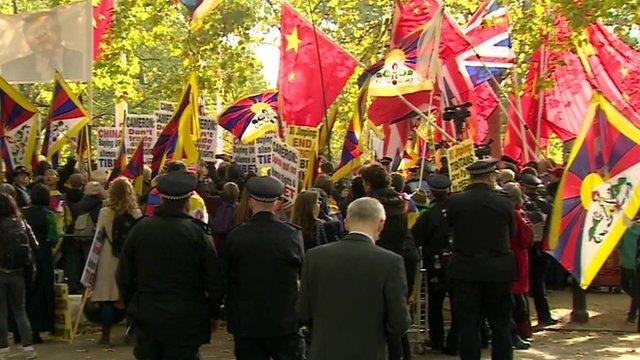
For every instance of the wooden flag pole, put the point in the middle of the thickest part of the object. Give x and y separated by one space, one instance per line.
325 120
85 296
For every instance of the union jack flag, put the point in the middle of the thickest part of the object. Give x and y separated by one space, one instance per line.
490 42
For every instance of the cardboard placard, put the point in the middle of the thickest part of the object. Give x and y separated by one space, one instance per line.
459 157
305 140
285 162
140 127
62 327
208 137
108 144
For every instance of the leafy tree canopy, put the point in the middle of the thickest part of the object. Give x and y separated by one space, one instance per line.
150 49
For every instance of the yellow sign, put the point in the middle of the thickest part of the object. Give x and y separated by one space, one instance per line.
305 140
459 157
63 315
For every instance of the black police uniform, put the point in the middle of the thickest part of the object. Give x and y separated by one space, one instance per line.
538 211
482 266
432 232
264 257
170 278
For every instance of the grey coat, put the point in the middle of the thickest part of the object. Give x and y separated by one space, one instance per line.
353 297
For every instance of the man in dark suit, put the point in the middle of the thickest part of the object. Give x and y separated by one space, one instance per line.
482 267
353 293
264 256
42 31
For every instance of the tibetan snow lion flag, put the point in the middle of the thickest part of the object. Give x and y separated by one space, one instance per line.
252 116
67 117
18 128
177 139
135 168
598 193
350 158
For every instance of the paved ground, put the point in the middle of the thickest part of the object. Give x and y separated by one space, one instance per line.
606 336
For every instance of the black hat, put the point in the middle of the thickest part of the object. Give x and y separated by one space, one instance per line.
18 170
265 188
177 185
530 180
508 159
482 166
438 182
386 160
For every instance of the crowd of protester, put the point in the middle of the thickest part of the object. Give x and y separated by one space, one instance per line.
412 216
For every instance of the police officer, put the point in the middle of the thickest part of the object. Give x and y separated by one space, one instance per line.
482 266
169 277
433 234
265 259
537 210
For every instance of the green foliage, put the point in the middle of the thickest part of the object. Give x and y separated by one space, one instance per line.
150 50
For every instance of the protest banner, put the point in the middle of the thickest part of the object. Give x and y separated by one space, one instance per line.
140 127
305 140
62 326
208 138
459 157
264 147
285 162
163 115
244 156
108 143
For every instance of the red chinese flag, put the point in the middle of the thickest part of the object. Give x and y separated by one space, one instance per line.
300 79
102 21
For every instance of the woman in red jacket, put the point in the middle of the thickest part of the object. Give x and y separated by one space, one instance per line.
520 244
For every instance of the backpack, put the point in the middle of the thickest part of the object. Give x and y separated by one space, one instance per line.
122 225
222 221
84 226
15 251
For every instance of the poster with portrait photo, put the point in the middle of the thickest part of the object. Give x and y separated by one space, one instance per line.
34 45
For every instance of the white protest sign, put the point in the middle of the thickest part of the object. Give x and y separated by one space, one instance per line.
264 147
108 143
208 137
140 127
244 156
285 162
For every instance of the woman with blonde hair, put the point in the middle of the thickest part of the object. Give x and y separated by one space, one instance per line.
115 220
305 214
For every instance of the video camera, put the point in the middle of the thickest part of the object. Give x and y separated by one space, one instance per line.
458 114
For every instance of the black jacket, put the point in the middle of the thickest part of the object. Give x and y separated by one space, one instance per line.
169 276
353 297
432 232
395 235
482 221
264 256
91 204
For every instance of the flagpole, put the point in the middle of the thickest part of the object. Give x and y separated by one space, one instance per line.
542 70
521 130
325 121
424 148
